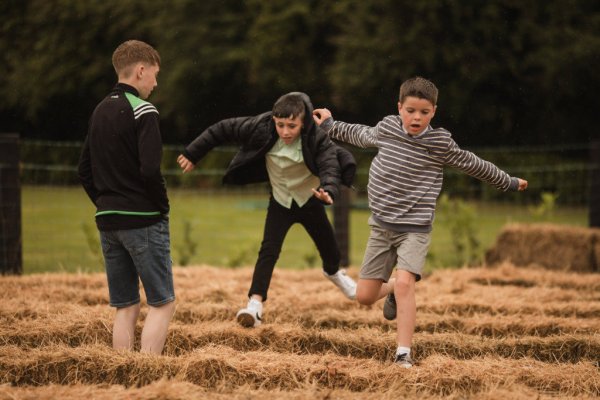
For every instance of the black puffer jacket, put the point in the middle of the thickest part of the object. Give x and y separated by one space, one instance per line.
256 136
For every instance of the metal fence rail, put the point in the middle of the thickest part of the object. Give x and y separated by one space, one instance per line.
55 205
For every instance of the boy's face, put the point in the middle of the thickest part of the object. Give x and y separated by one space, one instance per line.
416 114
146 75
288 129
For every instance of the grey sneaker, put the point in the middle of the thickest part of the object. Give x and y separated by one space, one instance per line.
343 282
403 360
389 307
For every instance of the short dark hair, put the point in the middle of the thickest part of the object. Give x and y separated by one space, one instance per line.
131 52
289 105
418 87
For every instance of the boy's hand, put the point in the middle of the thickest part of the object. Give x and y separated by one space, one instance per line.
185 164
322 195
320 115
522 184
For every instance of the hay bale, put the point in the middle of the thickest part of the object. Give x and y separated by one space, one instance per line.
596 253
557 247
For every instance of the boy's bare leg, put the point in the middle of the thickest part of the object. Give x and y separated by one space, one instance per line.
124 327
404 291
368 291
156 326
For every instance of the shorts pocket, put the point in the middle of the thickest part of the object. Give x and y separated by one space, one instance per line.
136 240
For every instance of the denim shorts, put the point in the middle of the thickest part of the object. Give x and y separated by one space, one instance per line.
132 255
387 249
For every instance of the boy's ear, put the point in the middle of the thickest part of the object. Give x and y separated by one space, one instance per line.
141 69
138 70
399 107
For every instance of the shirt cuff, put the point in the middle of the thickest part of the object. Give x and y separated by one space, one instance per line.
327 125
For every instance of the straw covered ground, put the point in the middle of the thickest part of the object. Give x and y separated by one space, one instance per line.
501 332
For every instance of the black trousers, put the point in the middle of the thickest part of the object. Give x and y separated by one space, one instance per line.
279 220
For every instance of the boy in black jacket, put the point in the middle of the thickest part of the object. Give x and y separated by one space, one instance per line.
119 169
303 166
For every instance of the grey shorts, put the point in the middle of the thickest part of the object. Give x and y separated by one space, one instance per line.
387 249
142 254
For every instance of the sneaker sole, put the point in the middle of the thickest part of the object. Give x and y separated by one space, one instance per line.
390 315
340 286
246 320
389 310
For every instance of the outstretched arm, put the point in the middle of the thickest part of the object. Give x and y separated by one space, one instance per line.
231 130
481 169
358 135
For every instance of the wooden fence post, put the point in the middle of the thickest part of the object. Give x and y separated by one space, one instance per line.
341 224
11 256
595 184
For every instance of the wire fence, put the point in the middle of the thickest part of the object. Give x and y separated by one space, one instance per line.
564 170
222 225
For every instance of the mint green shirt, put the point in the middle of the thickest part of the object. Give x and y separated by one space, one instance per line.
290 178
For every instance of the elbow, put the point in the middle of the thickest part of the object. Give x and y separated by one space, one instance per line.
149 173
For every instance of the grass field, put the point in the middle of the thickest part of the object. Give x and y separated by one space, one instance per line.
59 233
481 333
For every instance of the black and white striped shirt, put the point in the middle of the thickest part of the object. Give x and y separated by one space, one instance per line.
405 178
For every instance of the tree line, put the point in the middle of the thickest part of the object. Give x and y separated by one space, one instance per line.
509 72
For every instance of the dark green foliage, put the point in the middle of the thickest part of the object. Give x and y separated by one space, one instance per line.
187 248
509 72
460 218
93 242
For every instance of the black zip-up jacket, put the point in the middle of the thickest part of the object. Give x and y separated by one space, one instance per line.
256 136
119 166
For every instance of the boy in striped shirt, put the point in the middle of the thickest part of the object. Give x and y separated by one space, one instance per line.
405 180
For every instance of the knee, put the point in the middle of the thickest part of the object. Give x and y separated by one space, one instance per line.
402 288
167 307
170 305
130 312
365 298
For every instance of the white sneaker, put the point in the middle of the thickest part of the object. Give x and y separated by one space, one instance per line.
403 360
344 282
251 316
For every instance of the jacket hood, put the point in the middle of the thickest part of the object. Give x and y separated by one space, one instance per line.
309 122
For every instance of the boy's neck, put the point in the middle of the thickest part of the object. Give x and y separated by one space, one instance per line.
129 82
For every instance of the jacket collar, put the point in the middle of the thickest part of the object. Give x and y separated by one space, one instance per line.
123 87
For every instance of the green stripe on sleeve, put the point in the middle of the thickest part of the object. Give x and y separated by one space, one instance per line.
139 213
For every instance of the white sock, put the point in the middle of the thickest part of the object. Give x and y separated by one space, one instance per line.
254 304
403 350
